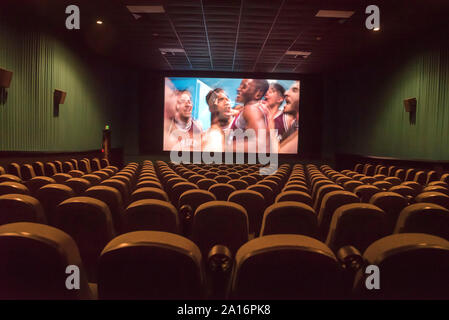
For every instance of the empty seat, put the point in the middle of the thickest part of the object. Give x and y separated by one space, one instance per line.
322 191
151 265
382 185
50 169
154 215
222 179
67 166
20 208
50 196
120 186
195 197
27 172
92 178
2 170
84 166
39 169
37 182
297 196
148 184
414 185
331 202
400 173
95 164
285 267
393 180
14 169
78 185
436 188
392 204
410 174
13 187
266 191
427 218
58 165
412 266
420 177
356 224
296 187
432 176
222 190
249 179
149 193
89 222
238 184
179 189
34 263
220 223
104 163
102 174
205 184
351 185
289 217
365 192
10 177
254 204
434 197
61 177
76 173
405 191
113 199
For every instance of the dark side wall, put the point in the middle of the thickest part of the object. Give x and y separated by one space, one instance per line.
364 111
97 94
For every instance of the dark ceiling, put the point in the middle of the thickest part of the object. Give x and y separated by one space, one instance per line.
237 35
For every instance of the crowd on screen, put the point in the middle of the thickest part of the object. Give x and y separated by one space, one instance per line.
258 112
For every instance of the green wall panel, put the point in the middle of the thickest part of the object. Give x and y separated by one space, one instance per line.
95 95
364 112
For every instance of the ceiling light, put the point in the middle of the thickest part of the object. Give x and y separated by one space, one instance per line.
376 29
146 9
334 14
171 50
298 53
99 22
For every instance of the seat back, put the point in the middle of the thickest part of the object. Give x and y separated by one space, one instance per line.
412 266
434 197
20 208
177 274
220 222
392 204
34 263
89 222
8 187
288 217
153 215
297 196
37 182
427 218
254 204
113 198
78 185
14 169
27 172
285 266
356 224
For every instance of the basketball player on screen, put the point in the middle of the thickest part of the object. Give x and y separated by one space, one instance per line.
254 114
186 130
221 120
289 139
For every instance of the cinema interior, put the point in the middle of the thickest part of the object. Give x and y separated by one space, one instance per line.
224 150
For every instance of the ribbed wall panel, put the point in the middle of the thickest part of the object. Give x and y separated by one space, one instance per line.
41 64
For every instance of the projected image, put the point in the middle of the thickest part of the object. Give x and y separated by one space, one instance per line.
238 115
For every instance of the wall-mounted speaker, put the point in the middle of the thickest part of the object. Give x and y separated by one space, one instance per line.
410 105
59 96
5 78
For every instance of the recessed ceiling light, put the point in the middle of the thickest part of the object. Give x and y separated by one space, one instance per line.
298 53
334 14
146 9
376 29
318 38
99 22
